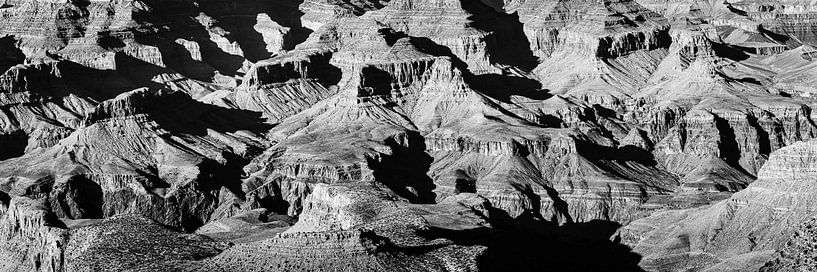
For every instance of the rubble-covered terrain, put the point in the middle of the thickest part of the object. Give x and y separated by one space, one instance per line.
408 135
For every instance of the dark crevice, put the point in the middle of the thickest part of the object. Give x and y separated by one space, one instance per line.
762 136
727 145
77 198
729 52
507 45
464 183
595 153
405 170
10 55
502 87
735 10
559 204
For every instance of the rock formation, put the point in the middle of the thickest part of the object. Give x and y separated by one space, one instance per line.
419 135
741 232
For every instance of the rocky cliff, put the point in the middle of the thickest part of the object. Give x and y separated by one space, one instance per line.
739 233
421 135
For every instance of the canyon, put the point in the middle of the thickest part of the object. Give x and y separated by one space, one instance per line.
408 135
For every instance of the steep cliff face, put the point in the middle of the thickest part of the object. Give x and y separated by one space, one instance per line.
124 158
33 237
607 29
35 240
431 134
741 232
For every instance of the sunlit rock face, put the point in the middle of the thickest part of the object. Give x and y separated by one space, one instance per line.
749 226
422 135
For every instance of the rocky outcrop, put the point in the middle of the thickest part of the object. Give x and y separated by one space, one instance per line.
124 160
283 86
741 232
609 30
33 238
405 134
338 208
355 226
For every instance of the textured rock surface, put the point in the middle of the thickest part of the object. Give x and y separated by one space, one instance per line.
739 233
33 238
422 135
134 243
798 253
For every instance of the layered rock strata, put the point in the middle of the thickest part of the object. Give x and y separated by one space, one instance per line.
741 232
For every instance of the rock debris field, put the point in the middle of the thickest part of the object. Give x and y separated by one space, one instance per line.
408 135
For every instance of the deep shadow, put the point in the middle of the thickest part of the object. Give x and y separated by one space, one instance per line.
746 80
271 200
90 82
604 112
629 153
627 163
138 71
176 57
178 113
77 198
508 45
736 11
728 146
179 23
241 30
430 47
228 175
499 87
749 80
502 87
559 204
762 135
375 81
729 52
324 71
783 39
185 119
390 35
548 120
234 19
5 199
464 183
108 41
277 70
11 55
239 17
13 145
70 78
528 244
405 168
